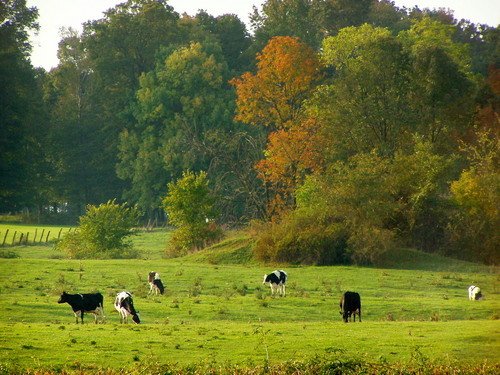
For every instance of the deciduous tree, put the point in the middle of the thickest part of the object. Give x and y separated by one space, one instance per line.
287 71
21 113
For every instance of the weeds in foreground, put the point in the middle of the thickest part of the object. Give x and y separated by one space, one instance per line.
316 365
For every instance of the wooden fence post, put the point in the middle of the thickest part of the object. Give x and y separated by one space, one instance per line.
21 238
41 236
34 238
59 235
47 238
14 238
5 237
27 236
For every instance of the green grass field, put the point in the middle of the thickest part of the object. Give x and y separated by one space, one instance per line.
216 312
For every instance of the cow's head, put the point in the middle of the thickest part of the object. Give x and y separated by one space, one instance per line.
63 298
345 316
136 318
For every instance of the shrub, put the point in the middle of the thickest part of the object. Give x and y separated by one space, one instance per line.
302 240
102 233
190 208
8 254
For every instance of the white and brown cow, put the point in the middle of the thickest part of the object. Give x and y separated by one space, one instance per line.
125 306
155 283
85 303
277 281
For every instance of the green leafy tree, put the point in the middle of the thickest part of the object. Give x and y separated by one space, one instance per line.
309 20
233 37
442 89
295 18
75 141
190 206
103 232
365 107
420 186
180 104
474 230
184 120
119 48
425 87
22 116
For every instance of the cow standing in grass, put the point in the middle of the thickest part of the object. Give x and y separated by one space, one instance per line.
125 306
276 280
475 293
350 305
84 303
155 283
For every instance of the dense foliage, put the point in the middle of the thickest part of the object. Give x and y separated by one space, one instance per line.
190 206
102 233
347 127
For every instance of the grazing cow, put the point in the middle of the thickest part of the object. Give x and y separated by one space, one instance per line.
277 280
350 304
84 303
475 293
125 306
155 284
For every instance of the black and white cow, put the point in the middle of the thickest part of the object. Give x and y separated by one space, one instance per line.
155 284
350 304
84 303
475 293
125 306
277 280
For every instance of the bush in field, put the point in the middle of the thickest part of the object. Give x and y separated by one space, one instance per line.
102 233
302 240
190 208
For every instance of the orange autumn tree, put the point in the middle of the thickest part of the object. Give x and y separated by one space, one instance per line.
291 155
287 72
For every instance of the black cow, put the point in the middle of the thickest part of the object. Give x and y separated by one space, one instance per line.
125 306
277 280
84 303
155 284
350 304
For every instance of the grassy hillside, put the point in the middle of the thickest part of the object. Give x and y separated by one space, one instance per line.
216 310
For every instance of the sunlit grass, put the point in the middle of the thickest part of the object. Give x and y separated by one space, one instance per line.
216 309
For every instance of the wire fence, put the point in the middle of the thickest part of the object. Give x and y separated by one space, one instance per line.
35 236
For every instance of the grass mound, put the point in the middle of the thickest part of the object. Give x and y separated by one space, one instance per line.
236 249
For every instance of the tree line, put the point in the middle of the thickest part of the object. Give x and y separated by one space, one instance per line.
338 129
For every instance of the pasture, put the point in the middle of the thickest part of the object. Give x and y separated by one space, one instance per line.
216 312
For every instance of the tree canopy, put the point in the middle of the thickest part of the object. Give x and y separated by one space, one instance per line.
338 128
